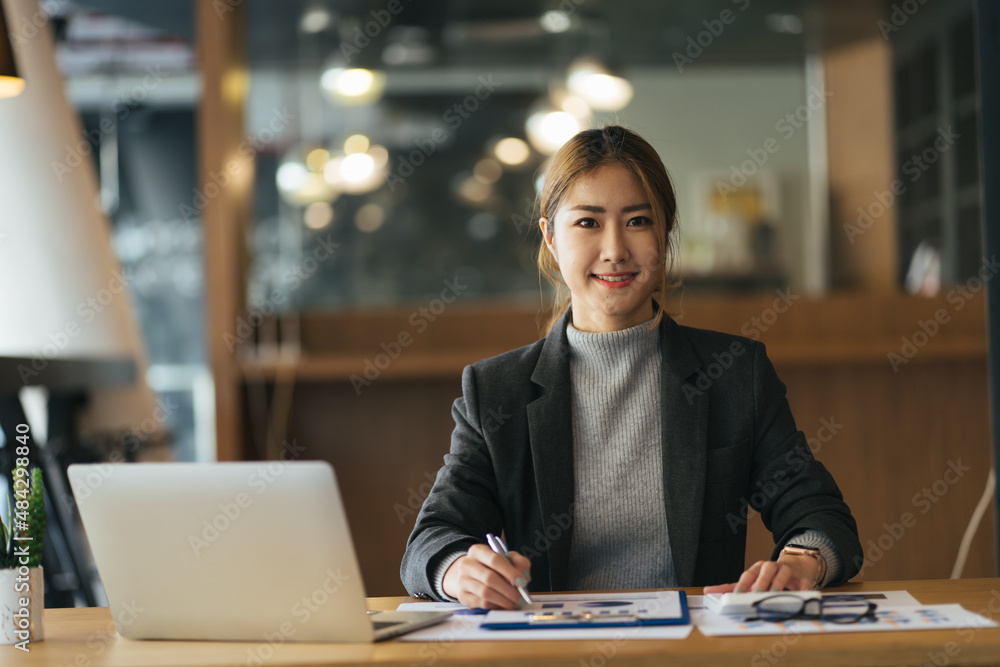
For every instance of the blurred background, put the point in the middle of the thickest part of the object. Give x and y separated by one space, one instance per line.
326 210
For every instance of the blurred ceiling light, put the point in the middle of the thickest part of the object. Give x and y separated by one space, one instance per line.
598 86
356 143
315 19
317 158
11 83
353 86
291 176
357 173
331 172
487 171
555 21
380 155
300 185
548 130
575 106
471 190
357 167
369 218
318 215
512 151
788 24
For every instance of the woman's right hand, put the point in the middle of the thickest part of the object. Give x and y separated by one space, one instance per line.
483 579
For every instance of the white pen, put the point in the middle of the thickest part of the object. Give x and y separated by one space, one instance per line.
498 546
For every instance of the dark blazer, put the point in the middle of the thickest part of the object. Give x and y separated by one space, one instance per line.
728 440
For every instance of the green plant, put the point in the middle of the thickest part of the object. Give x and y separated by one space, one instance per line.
28 521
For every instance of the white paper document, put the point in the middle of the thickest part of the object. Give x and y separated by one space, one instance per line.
888 618
465 624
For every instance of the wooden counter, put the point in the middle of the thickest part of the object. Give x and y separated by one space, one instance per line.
86 638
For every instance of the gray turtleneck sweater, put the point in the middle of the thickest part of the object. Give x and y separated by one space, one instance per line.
620 524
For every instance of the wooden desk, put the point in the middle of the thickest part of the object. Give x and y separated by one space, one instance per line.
86 638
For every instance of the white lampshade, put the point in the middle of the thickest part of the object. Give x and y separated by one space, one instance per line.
62 292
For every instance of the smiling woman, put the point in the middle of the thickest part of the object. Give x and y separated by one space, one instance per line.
607 215
615 468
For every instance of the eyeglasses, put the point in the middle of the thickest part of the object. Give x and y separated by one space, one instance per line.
832 608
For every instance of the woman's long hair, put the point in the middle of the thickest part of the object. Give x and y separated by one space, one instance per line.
580 156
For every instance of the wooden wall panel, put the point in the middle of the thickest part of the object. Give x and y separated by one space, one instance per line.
384 445
901 434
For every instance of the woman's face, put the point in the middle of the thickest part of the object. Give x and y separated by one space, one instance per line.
604 242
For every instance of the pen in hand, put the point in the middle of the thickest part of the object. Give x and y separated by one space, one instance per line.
499 547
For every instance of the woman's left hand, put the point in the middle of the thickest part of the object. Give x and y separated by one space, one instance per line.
789 572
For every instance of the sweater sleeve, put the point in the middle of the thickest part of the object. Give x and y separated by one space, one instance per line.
818 540
439 572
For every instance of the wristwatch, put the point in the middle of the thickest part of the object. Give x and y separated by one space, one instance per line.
812 552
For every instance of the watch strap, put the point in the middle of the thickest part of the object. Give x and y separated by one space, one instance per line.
812 552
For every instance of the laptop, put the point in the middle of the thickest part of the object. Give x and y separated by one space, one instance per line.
249 551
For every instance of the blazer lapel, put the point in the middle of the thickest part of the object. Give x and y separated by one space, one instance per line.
550 426
684 426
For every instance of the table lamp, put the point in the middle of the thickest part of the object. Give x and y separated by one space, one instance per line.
67 321
62 291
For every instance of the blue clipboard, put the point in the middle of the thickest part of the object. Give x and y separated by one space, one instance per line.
622 611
